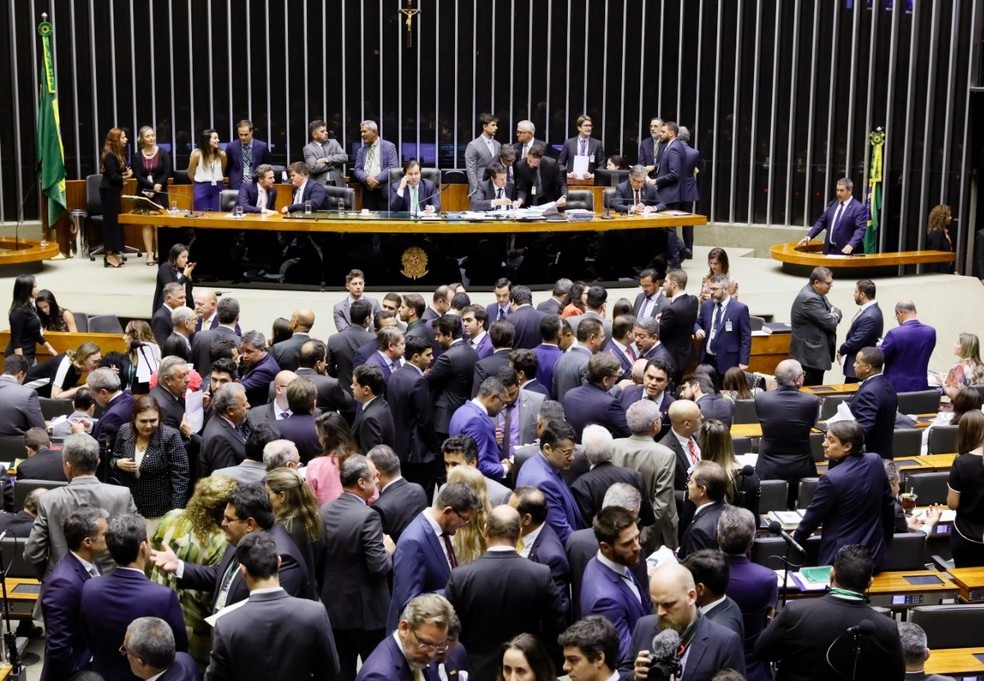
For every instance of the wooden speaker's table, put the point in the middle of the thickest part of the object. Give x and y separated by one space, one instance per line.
800 260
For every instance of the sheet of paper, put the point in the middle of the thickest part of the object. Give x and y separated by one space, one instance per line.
580 166
194 409
212 619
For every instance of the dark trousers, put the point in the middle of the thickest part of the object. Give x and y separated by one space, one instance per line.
965 553
812 376
353 644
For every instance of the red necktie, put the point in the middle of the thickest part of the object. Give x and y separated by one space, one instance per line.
452 559
637 201
630 352
693 451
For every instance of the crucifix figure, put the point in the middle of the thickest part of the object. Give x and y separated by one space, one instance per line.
411 12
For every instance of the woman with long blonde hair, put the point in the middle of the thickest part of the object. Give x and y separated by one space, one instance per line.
296 508
969 369
469 541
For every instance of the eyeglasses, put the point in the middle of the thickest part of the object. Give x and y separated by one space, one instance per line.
123 650
427 646
461 517
567 452
231 520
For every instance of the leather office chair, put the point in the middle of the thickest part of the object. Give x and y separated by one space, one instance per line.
50 408
11 447
807 487
756 323
907 442
931 487
816 447
774 493
431 174
580 199
942 440
334 194
829 406
13 558
919 402
745 411
741 445
81 321
768 551
949 626
24 487
228 198
907 551
105 323
609 195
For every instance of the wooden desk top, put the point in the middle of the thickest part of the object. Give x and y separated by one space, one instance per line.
955 661
829 389
936 462
895 582
23 595
812 256
356 223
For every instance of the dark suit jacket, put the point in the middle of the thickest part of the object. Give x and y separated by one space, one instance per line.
849 230
702 531
714 406
689 193
201 344
172 408
386 663
728 614
786 416
166 274
622 358
865 331
907 349
589 491
249 197
427 195
110 602
814 329
670 174
398 505
527 320
257 380
676 326
160 324
18 524
589 404
222 446
548 550
419 567
293 572
450 381
634 393
854 503
302 431
117 412
488 367
341 353
650 152
581 547
551 186
499 596
409 400
874 406
388 158
713 648
661 303
331 394
733 342
753 588
65 649
313 192
471 420
183 669
562 512
260 153
549 306
802 638
374 426
355 587
482 199
596 154
45 465
624 199
286 352
273 636
682 460
604 592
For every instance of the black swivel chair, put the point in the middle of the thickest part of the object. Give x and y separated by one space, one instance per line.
774 494
906 551
919 402
335 194
228 198
942 440
580 199
745 411
949 626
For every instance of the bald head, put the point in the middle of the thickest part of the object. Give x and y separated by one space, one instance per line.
301 320
503 526
684 417
674 596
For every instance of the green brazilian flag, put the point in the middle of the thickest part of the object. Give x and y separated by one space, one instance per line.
51 153
873 196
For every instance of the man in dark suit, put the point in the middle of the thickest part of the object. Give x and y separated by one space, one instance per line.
226 328
496 193
409 400
570 371
312 364
20 408
593 403
583 144
286 352
845 221
688 195
342 345
450 378
223 440
42 463
160 324
651 148
305 191
809 638
300 427
650 302
259 196
20 524
248 511
676 324
424 556
875 403
277 408
420 638
636 196
501 595
725 324
543 471
474 321
151 652
414 194
526 364
117 405
400 501
655 387
476 418
500 308
708 646
699 388
65 649
373 423
711 575
538 541
524 318
814 326
169 393
110 602
707 485
388 353
259 368
669 173
272 635
590 489
787 416
540 180
554 304
621 345
684 422
501 333
246 155
355 587
866 328
907 349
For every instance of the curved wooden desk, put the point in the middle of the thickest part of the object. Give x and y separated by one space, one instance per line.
24 256
797 260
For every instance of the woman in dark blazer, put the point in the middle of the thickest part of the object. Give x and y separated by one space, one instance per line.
176 269
938 238
115 172
25 325
152 168
149 458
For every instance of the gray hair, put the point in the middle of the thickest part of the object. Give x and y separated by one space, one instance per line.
428 609
385 460
550 411
913 639
180 315
787 371
905 306
623 495
226 396
684 133
255 338
151 640
263 169
736 530
103 378
354 466
169 364
846 182
597 443
369 124
637 171
526 126
650 324
641 415
82 451
279 453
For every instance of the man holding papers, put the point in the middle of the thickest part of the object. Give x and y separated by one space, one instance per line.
495 194
540 180
635 195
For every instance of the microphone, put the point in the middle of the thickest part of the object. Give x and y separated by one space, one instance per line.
862 628
664 663
428 198
134 344
4 534
191 211
776 529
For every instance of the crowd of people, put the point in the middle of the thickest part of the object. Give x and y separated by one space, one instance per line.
441 485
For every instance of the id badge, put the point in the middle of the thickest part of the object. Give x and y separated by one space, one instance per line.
727 326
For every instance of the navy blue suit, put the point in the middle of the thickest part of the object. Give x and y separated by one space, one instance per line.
548 550
733 342
110 603
527 320
874 406
313 192
713 648
117 412
650 152
234 153
854 503
865 331
410 403
470 419
603 592
713 406
669 177
427 195
849 230
65 649
388 663
562 512
753 588
624 198
248 200
484 347
302 431
257 379
622 358
634 393
419 567
676 326
587 404
388 158
907 349
547 355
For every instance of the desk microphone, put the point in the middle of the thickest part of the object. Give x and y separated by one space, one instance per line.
776 529
428 198
191 211
862 628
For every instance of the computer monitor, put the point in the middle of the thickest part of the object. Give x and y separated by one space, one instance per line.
610 178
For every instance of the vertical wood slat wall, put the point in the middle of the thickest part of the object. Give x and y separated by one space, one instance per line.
779 96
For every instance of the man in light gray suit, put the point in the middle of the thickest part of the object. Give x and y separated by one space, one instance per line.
814 323
286 352
80 457
20 408
227 312
481 152
570 370
355 284
324 157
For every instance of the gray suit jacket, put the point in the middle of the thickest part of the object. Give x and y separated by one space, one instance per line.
569 370
340 313
477 159
657 464
20 408
814 325
529 408
576 319
329 172
47 544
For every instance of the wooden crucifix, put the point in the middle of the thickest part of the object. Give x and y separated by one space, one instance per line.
410 11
